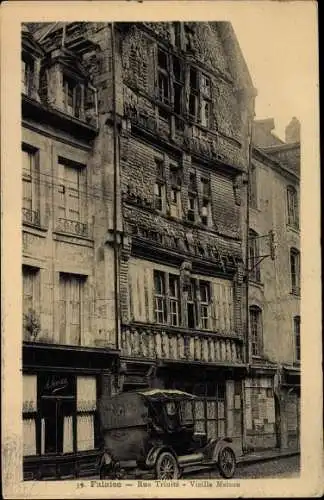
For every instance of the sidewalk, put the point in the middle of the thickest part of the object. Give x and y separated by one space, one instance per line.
262 456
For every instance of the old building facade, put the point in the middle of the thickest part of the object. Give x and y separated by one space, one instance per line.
136 149
273 385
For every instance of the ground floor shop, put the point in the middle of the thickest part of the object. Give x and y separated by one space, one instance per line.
61 389
272 409
219 407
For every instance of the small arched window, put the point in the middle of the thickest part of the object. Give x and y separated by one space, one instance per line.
255 320
292 207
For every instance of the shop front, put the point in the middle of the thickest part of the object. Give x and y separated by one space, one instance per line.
219 408
61 388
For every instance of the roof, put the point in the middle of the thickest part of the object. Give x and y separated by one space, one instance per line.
164 394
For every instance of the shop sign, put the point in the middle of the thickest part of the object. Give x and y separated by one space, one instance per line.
55 384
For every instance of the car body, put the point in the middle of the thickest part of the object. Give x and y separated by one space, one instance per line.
153 431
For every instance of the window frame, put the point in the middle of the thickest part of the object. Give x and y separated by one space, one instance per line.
32 273
296 322
160 298
256 335
70 82
67 305
295 271
292 207
254 251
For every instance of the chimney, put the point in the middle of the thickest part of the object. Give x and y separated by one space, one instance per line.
292 131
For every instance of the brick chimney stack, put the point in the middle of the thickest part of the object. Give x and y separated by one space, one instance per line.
292 131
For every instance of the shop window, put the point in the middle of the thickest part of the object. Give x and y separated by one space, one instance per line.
30 181
254 257
297 337
72 198
295 271
86 412
73 309
292 207
255 319
57 407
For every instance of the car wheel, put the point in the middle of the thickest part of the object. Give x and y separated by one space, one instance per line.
226 462
166 466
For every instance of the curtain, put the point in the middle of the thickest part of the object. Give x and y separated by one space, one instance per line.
68 435
86 393
29 436
85 432
29 393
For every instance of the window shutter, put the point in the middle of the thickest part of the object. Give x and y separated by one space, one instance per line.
149 290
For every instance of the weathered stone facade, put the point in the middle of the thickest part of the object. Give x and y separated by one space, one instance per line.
275 295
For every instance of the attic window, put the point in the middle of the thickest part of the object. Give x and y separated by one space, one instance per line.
27 74
72 96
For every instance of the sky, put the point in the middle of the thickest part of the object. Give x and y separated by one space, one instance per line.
281 61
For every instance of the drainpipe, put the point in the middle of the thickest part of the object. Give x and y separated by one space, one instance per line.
247 221
115 144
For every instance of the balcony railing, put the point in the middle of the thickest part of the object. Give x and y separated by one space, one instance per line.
74 227
148 342
31 216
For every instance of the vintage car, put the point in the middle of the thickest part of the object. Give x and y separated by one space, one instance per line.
151 432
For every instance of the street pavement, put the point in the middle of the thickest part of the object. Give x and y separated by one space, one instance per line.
281 467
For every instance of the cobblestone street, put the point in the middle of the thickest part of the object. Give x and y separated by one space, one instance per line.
282 467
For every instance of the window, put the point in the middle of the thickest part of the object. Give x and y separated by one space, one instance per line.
191 306
160 297
253 188
199 97
204 305
177 34
205 105
192 207
175 193
254 256
206 207
178 85
256 330
30 180
193 94
295 271
292 207
68 413
159 187
72 206
297 337
27 74
72 308
31 299
174 296
72 96
192 197
163 77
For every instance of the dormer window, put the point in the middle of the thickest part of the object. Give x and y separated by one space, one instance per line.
27 74
72 96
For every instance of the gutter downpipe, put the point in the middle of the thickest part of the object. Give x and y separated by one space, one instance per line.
115 141
246 277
